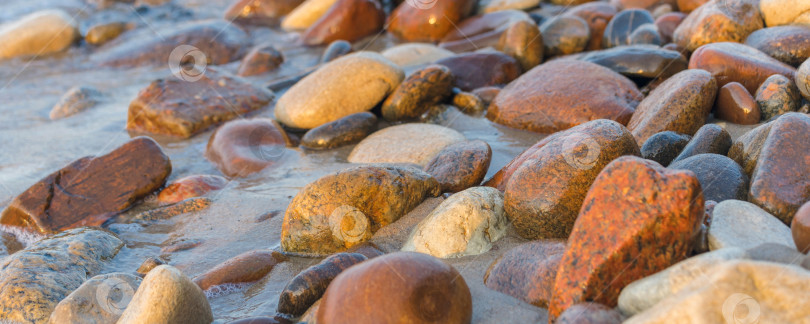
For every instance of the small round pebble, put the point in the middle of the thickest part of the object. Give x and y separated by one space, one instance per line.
800 228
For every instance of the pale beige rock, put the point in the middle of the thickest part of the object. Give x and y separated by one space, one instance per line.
409 143
306 14
410 54
166 295
498 5
742 224
739 291
465 224
99 300
784 12
40 33
348 85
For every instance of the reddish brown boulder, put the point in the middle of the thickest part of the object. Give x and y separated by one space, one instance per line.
527 272
780 183
91 189
261 59
597 15
736 105
417 21
190 187
309 285
421 90
260 12
402 287
555 96
638 218
680 104
589 313
719 21
180 108
348 20
800 228
482 31
246 267
524 42
476 70
733 62
460 165
243 147
788 44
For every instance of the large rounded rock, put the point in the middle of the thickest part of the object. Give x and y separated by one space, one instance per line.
784 12
39 33
476 70
344 131
776 96
101 299
789 44
465 224
718 21
460 165
554 96
527 272
720 177
742 224
680 104
309 285
348 20
243 147
403 287
733 62
167 296
418 92
351 84
409 143
427 21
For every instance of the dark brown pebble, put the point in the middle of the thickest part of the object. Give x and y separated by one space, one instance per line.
309 285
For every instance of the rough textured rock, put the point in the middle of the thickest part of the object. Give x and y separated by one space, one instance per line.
344 131
783 156
91 189
100 299
183 109
563 35
398 287
190 187
482 31
415 54
39 33
427 21
736 105
524 42
597 15
260 12
718 21
720 177
589 313
465 224
639 61
527 272
476 70
680 104
348 20
167 296
552 97
784 12
259 60
309 285
663 147
776 96
545 191
733 62
408 143
354 83
34 280
742 224
306 14
746 149
789 44
710 138
637 219
800 228
382 194
76 100
621 27
246 146
418 92
460 165
246 267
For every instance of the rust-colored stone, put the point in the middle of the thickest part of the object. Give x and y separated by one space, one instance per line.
260 12
719 21
348 20
461 165
428 22
191 186
733 62
261 59
309 285
476 70
482 31
527 272
597 15
776 96
422 89
246 146
800 228
638 218
524 42
246 267
736 105
687 6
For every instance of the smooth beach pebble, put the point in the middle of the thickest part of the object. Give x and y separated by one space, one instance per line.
38 33
476 70
527 272
246 267
776 96
482 31
708 139
736 105
800 228
246 146
460 165
420 90
564 35
789 44
259 60
191 186
344 131
309 285
718 21
664 147
733 62
408 143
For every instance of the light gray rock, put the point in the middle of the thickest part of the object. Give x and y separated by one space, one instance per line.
166 295
409 143
742 224
39 33
76 100
465 224
410 54
99 300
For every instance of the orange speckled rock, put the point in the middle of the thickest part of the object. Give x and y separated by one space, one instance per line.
597 15
719 21
780 183
243 147
638 218
402 287
418 21
191 186
554 96
687 6
733 62
348 20
527 272
246 267
260 12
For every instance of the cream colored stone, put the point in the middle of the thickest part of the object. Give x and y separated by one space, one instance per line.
166 295
306 14
744 225
465 224
410 54
351 84
784 12
499 5
40 33
409 143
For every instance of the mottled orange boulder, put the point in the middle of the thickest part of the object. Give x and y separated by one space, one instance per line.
597 15
246 146
401 287
638 218
719 21
91 189
246 267
733 62
190 187
260 12
687 6
557 95
428 21
348 20
527 272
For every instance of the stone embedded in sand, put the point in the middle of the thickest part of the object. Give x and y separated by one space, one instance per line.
736 105
344 131
427 21
710 138
718 21
523 42
597 15
680 104
382 193
789 44
465 224
190 187
167 296
348 85
639 61
527 272
746 149
476 70
180 108
733 62
348 20
783 156
39 33
422 89
564 35
306 14
246 146
260 59
720 177
309 285
34 280
246 267
554 97
663 147
260 12
409 54
402 287
776 96
589 313
460 165
637 219
544 193
415 143
100 299
784 12
90 190
621 26
76 100
800 228
742 224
